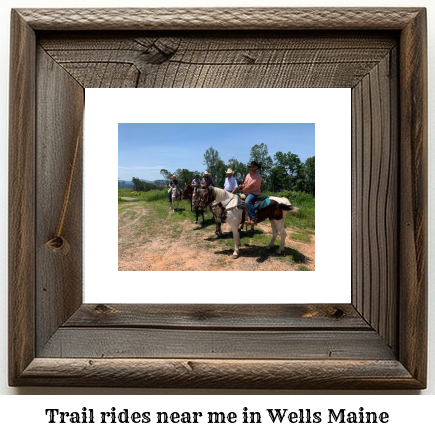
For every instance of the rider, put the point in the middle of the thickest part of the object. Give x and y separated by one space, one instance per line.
230 182
207 181
172 183
196 183
251 187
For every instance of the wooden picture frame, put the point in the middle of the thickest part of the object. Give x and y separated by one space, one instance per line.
376 342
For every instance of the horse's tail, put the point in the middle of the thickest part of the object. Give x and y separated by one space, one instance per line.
284 204
286 207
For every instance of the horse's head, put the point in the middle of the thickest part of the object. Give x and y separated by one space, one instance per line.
206 197
187 191
175 192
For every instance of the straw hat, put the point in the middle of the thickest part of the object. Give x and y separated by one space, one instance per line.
229 171
206 173
174 176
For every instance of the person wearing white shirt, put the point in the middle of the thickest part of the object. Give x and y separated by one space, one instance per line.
230 182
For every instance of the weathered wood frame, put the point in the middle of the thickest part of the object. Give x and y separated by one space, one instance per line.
378 341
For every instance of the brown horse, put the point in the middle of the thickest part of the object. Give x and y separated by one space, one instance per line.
194 198
198 202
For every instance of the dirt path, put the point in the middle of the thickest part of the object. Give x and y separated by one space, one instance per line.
174 243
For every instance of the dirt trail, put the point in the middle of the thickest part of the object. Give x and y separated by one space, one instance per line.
143 245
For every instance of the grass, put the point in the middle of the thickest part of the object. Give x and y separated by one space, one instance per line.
305 237
304 218
303 268
148 196
162 219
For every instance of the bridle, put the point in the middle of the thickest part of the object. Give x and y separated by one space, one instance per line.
177 192
206 196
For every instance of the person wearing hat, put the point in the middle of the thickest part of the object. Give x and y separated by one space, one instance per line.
230 182
173 183
251 187
196 182
207 181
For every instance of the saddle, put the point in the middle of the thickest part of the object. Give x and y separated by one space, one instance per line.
260 203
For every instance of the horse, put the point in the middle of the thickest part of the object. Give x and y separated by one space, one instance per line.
194 199
175 195
275 212
216 209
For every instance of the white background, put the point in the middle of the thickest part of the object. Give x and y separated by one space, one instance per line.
329 109
410 412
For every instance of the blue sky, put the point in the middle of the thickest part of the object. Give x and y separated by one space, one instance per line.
145 149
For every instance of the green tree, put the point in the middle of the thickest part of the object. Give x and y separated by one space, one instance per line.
240 170
137 184
277 178
260 154
166 175
310 175
185 176
215 166
291 169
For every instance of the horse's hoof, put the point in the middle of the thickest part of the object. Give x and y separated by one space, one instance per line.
235 256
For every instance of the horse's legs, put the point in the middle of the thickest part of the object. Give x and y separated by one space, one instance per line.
281 228
278 226
233 218
236 237
196 213
218 222
274 233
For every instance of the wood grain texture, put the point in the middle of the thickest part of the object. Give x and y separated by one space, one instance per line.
235 61
375 198
220 317
413 197
378 342
59 277
220 18
228 374
128 342
21 200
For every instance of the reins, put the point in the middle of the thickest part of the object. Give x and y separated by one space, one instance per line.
225 193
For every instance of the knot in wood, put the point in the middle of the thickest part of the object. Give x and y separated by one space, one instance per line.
58 244
338 313
103 309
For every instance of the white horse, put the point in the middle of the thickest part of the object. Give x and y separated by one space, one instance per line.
276 212
176 196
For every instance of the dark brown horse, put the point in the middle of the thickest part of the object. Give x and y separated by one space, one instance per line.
194 197
200 202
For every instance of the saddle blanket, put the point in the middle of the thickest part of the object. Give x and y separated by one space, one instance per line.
258 205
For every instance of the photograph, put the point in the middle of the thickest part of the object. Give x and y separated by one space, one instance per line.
197 196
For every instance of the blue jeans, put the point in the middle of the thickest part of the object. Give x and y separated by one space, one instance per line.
249 204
